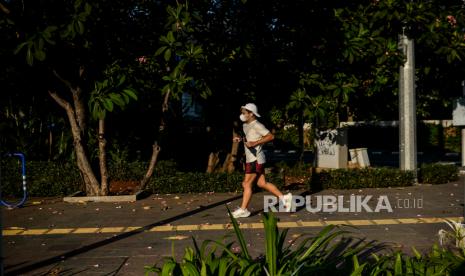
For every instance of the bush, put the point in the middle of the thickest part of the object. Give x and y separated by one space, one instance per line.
303 170
196 182
438 173
134 171
361 178
329 252
43 178
59 179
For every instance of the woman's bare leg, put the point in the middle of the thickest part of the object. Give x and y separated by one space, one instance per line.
247 185
270 187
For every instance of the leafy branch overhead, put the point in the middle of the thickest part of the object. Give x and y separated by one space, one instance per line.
181 54
109 93
35 44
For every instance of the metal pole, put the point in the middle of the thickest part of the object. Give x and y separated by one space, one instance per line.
463 155
407 108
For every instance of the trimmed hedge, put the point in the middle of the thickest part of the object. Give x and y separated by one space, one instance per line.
361 178
196 182
438 173
60 179
382 177
42 178
134 171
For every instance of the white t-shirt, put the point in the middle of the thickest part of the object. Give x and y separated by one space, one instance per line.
254 131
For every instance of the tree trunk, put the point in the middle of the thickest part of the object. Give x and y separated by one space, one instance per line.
301 136
232 157
213 161
155 147
102 158
79 106
90 181
50 144
314 146
226 162
153 161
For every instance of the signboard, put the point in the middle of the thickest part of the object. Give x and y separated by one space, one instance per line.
332 148
458 114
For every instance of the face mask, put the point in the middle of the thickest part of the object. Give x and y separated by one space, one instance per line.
243 118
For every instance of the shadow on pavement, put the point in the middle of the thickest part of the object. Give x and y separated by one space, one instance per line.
116 238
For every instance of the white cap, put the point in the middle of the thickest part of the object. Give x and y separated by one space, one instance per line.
252 108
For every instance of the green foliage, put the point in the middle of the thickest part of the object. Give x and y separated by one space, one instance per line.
59 179
299 169
382 177
439 261
328 252
42 178
36 43
197 182
370 35
452 139
437 138
289 136
438 173
109 93
361 178
181 51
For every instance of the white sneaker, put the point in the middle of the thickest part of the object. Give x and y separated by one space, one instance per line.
287 202
240 213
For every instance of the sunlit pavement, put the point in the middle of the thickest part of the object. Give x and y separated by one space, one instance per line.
48 235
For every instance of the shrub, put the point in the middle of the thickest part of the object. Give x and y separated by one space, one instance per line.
196 182
330 252
318 255
135 170
438 173
43 178
303 170
439 261
59 179
361 178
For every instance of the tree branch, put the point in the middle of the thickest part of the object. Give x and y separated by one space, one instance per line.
67 83
164 106
60 101
4 9
76 93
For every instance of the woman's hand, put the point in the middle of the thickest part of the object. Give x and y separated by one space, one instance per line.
237 139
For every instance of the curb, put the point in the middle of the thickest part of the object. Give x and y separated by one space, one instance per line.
77 198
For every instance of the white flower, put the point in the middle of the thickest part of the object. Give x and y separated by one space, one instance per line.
458 233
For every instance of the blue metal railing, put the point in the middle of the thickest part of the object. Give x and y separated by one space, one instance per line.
23 173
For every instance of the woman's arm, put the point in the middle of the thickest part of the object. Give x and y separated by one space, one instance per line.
265 139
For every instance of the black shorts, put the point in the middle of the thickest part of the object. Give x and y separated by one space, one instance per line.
254 167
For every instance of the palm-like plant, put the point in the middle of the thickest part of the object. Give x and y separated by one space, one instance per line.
313 256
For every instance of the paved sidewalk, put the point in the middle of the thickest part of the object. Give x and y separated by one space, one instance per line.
121 238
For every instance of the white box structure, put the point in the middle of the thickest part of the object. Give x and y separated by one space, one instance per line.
332 151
